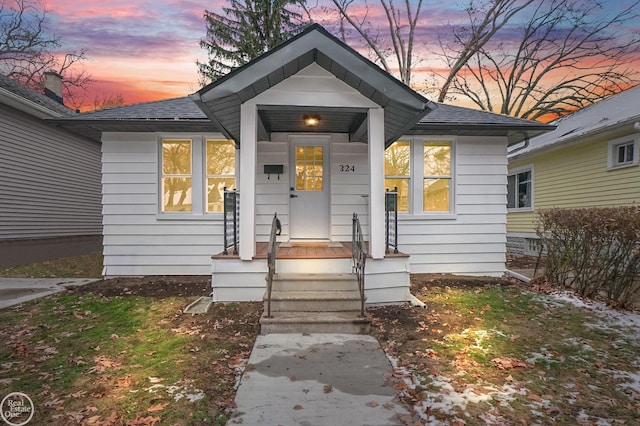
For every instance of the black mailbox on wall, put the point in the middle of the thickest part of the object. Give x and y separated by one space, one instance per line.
273 169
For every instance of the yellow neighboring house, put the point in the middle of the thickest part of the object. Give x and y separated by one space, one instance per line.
589 160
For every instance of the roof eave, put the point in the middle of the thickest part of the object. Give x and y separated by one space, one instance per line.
577 139
515 134
18 102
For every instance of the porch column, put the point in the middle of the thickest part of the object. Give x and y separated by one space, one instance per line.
376 183
247 187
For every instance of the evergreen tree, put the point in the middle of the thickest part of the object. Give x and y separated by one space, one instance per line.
247 29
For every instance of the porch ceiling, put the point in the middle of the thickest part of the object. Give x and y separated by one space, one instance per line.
332 120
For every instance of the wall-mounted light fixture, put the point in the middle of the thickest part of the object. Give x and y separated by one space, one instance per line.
311 120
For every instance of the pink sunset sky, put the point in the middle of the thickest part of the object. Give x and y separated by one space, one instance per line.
146 50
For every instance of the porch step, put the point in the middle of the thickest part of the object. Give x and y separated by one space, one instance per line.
310 282
314 303
316 322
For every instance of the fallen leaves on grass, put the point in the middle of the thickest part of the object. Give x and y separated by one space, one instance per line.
508 363
157 407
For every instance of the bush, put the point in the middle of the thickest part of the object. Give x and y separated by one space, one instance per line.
595 251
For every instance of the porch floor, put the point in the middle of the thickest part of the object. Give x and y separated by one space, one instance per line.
305 250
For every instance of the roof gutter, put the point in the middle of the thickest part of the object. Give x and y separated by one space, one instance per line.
525 145
26 105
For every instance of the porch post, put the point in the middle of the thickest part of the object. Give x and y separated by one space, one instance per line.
248 144
376 183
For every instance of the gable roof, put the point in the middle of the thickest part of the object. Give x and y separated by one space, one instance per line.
216 107
616 113
28 100
221 99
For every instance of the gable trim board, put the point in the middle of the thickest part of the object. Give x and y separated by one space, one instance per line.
363 110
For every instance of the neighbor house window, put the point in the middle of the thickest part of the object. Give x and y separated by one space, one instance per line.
397 171
437 177
177 180
520 189
623 152
220 172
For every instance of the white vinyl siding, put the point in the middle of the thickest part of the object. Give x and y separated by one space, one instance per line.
272 192
473 241
137 239
349 188
49 180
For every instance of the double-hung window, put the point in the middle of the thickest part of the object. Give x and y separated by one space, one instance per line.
437 186
397 172
221 172
177 178
422 171
623 152
520 189
194 173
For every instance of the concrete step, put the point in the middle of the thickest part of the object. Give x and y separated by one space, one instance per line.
302 282
316 322
315 301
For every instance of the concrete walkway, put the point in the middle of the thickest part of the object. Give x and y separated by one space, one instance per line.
14 291
319 379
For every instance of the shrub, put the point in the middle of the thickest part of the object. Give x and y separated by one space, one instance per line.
595 251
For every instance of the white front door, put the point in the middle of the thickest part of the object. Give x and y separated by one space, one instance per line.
309 188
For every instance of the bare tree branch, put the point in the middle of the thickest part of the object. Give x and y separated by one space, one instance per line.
570 54
27 51
484 22
399 39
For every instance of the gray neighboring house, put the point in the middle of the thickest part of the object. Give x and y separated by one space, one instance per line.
49 177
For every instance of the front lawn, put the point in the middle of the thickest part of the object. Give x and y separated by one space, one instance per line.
492 352
96 360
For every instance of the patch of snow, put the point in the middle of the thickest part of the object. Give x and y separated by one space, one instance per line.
584 346
178 392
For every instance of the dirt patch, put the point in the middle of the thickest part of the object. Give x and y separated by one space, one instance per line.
409 327
523 262
151 286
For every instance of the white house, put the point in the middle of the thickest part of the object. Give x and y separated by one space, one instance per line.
164 166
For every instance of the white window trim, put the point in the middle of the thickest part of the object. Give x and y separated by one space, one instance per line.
612 152
198 177
515 171
420 187
416 178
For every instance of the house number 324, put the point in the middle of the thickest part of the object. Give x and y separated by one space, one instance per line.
347 168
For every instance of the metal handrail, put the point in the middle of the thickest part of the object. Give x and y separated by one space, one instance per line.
231 219
271 258
359 257
391 221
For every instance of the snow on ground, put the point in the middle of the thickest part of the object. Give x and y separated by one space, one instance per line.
453 402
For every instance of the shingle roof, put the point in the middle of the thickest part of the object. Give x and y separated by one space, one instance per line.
450 114
618 110
33 96
182 114
455 120
169 109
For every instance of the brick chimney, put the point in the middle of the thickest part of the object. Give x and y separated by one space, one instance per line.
53 86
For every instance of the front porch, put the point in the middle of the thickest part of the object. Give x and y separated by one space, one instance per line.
233 279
